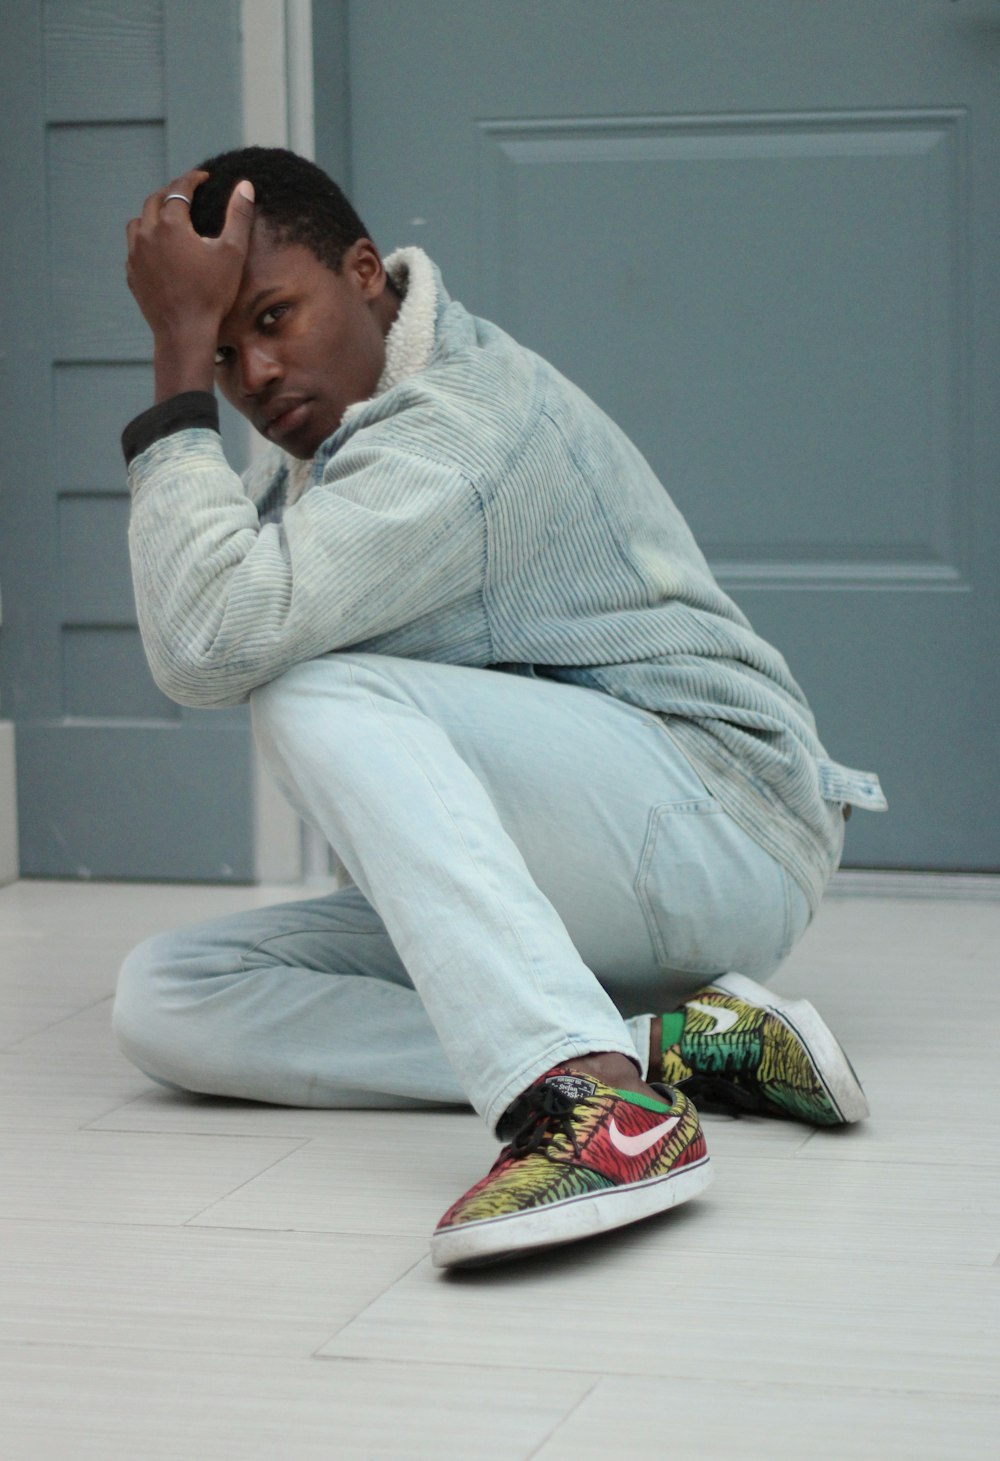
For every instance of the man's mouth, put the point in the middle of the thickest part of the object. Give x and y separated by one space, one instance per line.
289 418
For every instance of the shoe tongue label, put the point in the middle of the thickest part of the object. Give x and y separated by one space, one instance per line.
577 1087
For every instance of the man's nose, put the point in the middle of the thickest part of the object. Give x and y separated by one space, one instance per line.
258 370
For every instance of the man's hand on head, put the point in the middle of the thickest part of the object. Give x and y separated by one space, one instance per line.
184 284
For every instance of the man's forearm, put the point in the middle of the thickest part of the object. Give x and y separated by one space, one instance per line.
226 604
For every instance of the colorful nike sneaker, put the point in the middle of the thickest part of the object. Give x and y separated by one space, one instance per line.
735 1046
584 1157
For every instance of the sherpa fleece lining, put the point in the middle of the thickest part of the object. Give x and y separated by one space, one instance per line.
408 345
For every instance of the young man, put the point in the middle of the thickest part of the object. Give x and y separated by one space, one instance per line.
485 657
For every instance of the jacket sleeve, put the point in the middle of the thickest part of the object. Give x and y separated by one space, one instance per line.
226 604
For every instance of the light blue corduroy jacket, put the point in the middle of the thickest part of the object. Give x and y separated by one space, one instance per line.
480 510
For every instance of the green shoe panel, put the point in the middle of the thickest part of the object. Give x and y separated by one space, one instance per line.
778 1053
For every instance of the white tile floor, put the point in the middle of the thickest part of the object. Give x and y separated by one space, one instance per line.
205 1279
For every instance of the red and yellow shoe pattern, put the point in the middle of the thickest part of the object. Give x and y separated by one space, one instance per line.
581 1137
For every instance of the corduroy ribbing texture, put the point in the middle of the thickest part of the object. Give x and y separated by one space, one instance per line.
482 511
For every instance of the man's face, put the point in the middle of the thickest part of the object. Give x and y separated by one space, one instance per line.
302 343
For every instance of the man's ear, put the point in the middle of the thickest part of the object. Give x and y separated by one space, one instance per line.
364 263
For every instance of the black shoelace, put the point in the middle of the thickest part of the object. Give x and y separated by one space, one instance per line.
543 1113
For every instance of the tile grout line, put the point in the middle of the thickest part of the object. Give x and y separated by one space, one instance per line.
536 1451
316 1355
763 1386
44 1029
190 1221
298 1235
851 1386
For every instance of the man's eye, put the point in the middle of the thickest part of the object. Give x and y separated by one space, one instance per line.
222 354
273 315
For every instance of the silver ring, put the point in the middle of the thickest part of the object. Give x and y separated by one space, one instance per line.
180 196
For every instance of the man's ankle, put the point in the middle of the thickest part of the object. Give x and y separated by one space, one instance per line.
611 1069
655 1068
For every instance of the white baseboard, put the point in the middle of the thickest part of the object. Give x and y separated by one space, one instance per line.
8 805
875 883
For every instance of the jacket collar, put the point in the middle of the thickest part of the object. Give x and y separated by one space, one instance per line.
410 341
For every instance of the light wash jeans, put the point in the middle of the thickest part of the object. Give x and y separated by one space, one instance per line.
536 869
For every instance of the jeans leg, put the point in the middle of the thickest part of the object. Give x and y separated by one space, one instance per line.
502 827
302 1004
359 745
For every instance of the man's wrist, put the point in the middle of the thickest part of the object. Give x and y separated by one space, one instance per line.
184 363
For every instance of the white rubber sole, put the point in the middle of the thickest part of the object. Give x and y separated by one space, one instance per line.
829 1060
517 1233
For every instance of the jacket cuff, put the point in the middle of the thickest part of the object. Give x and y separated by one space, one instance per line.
178 413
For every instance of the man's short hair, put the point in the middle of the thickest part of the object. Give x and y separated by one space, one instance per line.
298 201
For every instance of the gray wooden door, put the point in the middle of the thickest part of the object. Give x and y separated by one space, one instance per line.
764 237
102 103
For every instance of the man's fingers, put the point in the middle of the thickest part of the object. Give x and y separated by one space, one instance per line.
131 228
151 208
175 199
239 216
185 184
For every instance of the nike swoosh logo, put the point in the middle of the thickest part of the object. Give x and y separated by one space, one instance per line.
724 1019
634 1146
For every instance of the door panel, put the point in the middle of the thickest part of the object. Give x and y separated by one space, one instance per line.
764 239
104 102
